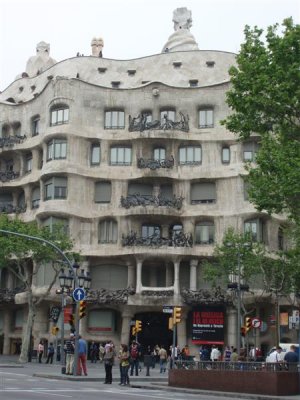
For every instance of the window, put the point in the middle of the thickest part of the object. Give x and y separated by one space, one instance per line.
280 238
169 114
203 193
147 117
102 192
151 230
59 115
159 153
108 231
21 200
206 118
166 192
114 119
56 188
255 227
249 151
225 155
190 155
57 149
6 199
35 197
140 188
193 82
120 156
95 154
56 224
246 190
28 163
35 125
204 233
174 231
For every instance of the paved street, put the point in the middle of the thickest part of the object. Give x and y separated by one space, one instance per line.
42 381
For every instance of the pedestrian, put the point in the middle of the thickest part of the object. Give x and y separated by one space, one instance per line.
227 354
101 352
134 358
40 351
109 358
277 357
234 355
124 363
291 359
82 351
50 354
70 348
94 352
163 356
215 354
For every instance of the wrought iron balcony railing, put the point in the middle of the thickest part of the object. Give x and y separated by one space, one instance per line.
11 209
8 175
10 141
155 164
137 199
179 239
142 123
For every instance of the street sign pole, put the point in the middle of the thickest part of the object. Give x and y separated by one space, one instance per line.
173 345
78 295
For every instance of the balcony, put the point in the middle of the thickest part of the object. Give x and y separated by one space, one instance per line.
6 176
11 209
137 199
10 141
155 164
142 123
178 239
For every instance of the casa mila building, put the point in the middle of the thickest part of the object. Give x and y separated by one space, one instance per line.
131 158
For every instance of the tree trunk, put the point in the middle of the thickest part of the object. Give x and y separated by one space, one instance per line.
27 330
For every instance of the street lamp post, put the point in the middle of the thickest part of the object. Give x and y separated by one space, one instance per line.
68 284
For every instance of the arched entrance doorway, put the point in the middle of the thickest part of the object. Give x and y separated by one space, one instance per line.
154 330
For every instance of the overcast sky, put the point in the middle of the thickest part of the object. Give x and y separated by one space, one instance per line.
130 28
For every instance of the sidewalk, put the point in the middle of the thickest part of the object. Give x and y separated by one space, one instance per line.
96 373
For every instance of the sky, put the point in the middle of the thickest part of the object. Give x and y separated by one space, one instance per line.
130 28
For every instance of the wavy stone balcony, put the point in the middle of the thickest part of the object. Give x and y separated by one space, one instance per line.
137 199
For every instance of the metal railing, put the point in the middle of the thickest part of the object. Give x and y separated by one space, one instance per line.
243 366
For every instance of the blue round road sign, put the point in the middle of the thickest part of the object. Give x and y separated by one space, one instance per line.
78 294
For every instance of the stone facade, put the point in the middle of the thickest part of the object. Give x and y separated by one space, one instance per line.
86 123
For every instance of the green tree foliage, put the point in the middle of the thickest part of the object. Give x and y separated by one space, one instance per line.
23 257
265 100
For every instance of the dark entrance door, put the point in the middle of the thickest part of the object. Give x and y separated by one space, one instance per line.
154 330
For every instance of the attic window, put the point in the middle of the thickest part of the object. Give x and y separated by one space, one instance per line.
49 77
210 64
193 82
131 72
177 64
143 82
102 70
32 88
115 84
21 89
11 100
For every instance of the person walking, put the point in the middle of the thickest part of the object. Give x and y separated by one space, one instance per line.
50 354
70 348
94 352
124 363
40 351
291 359
163 356
134 358
109 358
82 351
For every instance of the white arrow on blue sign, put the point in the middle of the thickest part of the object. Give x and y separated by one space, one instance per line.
78 294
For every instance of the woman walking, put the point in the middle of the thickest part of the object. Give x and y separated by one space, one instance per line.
124 363
109 358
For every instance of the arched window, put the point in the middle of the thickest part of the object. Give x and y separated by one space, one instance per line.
59 115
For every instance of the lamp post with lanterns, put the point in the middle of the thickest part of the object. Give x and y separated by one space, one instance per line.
71 283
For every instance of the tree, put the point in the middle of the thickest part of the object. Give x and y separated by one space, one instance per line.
24 257
265 99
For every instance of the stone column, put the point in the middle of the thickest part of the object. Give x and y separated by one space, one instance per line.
176 277
7 324
139 265
231 316
35 159
130 275
193 274
181 331
127 316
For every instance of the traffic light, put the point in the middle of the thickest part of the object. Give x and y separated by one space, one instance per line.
248 324
54 330
133 331
176 315
82 309
71 320
138 326
170 327
243 331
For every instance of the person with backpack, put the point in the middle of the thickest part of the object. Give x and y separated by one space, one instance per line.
134 358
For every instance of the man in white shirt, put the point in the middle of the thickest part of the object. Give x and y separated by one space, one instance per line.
277 357
215 354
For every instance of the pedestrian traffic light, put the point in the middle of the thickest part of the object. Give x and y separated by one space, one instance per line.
248 324
243 331
54 330
176 315
133 331
82 309
138 326
71 320
170 327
